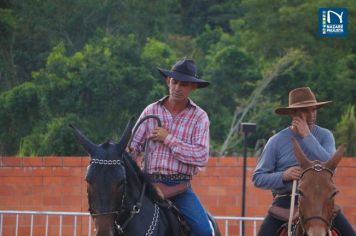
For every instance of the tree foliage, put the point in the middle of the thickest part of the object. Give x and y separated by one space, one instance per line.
346 131
93 64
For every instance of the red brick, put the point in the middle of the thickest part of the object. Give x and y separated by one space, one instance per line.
11 161
346 162
228 200
72 161
41 171
19 181
52 200
346 172
15 171
216 191
8 202
52 181
71 200
58 185
85 161
52 161
228 181
67 171
212 161
73 181
69 190
231 162
32 161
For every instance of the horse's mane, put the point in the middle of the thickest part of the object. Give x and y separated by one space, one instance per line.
143 177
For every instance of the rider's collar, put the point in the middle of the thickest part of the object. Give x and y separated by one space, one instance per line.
190 102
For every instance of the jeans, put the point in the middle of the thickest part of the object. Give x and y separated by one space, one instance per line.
194 213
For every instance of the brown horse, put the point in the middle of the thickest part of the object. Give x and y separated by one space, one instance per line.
317 193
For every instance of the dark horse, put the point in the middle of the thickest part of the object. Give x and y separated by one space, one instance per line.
317 193
122 201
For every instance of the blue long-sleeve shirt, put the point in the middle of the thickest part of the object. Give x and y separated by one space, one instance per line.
278 155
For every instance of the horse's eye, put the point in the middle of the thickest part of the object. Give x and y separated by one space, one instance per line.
334 194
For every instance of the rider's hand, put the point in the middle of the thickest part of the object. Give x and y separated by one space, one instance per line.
292 173
159 134
129 149
300 125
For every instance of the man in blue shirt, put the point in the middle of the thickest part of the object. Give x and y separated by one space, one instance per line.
277 166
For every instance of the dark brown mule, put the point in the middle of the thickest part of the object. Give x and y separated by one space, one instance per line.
121 199
317 193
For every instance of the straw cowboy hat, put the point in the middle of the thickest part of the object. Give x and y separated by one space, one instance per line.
184 70
300 98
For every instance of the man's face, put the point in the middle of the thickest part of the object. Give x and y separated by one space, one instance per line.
308 114
179 90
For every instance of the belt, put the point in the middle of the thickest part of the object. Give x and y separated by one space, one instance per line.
284 195
160 177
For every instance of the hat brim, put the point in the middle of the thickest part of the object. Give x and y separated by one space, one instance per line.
183 77
287 110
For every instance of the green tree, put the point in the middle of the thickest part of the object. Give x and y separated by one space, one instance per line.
100 87
279 26
8 75
345 131
19 112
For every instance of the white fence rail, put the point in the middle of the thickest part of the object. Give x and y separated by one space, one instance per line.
228 219
52 220
18 223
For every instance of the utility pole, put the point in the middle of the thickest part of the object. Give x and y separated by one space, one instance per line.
245 128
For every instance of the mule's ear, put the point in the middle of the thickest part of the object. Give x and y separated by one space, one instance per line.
336 158
299 154
127 134
88 146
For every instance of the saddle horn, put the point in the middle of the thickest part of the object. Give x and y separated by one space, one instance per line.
88 146
299 154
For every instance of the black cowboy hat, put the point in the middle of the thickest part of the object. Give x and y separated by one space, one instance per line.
184 70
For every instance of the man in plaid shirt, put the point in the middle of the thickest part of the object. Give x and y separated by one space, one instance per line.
179 148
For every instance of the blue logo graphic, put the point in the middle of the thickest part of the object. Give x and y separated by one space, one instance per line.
333 22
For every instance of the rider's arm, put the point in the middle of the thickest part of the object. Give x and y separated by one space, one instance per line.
265 175
196 152
322 150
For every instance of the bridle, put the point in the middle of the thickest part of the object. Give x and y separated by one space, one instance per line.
107 163
136 208
318 168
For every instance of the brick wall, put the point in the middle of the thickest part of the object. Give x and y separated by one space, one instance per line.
57 184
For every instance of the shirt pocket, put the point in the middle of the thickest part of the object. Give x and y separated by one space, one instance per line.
183 130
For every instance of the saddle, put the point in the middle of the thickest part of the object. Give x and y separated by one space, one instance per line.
175 218
283 231
167 191
282 214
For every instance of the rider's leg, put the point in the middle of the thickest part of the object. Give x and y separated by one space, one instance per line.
193 212
342 225
270 226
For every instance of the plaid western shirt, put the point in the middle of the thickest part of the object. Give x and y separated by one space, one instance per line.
184 150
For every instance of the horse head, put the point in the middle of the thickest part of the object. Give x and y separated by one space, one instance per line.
106 179
317 192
